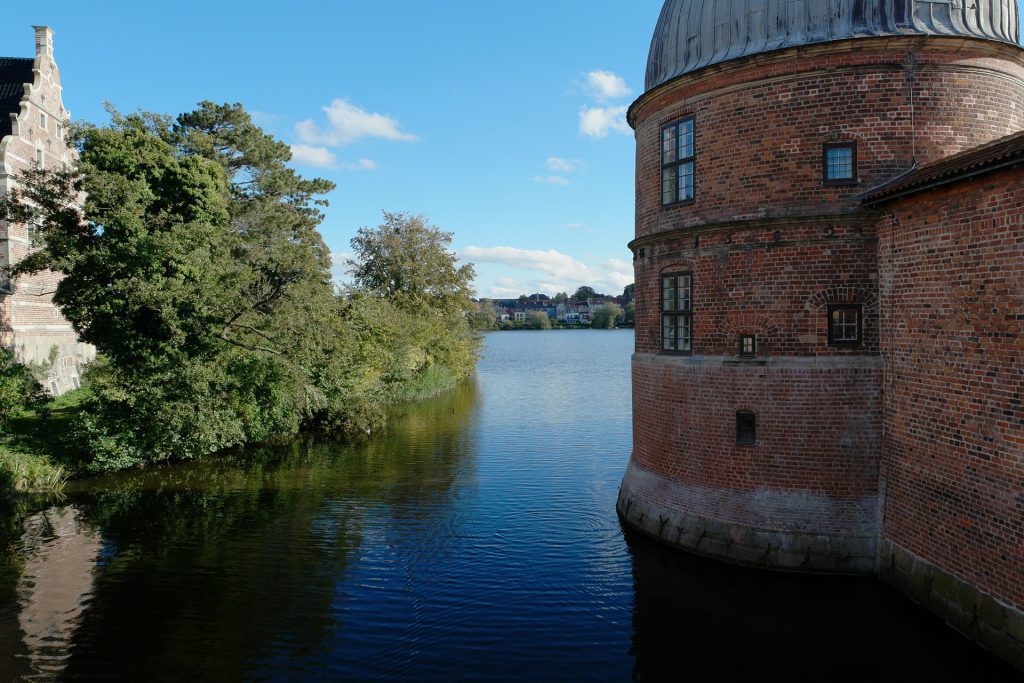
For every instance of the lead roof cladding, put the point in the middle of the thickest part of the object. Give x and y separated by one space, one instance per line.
14 74
692 34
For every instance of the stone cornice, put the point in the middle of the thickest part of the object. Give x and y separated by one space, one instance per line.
861 218
801 57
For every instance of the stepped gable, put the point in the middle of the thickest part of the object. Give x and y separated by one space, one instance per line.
14 74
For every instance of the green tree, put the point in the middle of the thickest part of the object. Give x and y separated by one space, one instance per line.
196 270
537 320
484 317
604 317
561 297
19 390
630 313
584 293
629 293
409 262
406 263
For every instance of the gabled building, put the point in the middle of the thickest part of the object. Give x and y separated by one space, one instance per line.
33 127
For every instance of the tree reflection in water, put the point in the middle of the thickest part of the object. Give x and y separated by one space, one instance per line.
233 562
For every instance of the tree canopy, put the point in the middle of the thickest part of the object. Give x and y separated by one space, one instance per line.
409 262
196 269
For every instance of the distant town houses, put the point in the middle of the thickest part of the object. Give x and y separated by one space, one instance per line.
564 311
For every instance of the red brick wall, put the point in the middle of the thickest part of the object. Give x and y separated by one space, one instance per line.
816 433
769 279
761 122
952 303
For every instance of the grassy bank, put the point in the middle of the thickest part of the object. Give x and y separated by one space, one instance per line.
35 447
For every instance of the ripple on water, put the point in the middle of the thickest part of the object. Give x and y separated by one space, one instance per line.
475 540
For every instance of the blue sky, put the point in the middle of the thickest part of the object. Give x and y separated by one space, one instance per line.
501 123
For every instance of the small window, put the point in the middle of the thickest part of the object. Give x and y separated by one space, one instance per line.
59 130
42 121
748 345
677 162
844 325
677 312
839 163
746 428
40 158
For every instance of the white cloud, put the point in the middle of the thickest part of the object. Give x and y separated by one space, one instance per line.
340 270
597 122
362 165
321 157
575 226
348 123
264 119
551 180
605 85
312 155
560 165
561 271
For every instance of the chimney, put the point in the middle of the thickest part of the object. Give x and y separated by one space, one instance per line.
44 41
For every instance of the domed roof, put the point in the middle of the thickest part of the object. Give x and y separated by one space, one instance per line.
696 33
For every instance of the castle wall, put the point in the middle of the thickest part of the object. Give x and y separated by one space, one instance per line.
770 247
805 495
29 321
952 306
761 122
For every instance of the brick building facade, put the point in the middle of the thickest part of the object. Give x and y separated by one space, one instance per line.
33 123
830 297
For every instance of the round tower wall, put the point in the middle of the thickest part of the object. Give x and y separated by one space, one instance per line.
761 122
770 248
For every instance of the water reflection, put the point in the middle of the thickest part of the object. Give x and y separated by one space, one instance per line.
718 622
477 540
232 563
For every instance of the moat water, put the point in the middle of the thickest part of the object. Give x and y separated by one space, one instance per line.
476 540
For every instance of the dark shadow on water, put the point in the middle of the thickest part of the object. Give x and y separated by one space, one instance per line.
698 619
229 566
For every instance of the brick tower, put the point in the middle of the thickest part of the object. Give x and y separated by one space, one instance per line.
777 294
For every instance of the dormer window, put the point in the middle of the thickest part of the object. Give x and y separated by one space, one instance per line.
678 155
839 163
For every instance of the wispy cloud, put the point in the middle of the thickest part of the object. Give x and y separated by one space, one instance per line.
560 165
347 123
361 165
604 86
575 226
551 180
560 271
598 122
321 157
313 155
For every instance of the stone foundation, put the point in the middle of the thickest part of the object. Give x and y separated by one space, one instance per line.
650 503
996 625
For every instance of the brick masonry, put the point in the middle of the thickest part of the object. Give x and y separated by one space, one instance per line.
952 296
29 321
901 456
